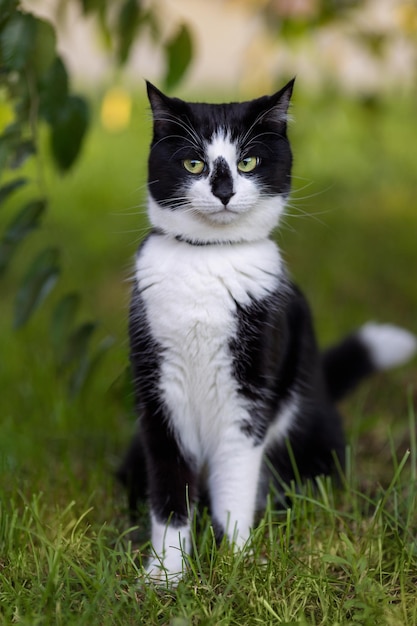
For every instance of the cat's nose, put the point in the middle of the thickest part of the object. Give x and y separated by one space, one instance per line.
224 196
222 188
221 181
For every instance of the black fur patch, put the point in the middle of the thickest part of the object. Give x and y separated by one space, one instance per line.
183 129
345 365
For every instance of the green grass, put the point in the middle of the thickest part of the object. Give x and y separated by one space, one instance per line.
335 557
330 559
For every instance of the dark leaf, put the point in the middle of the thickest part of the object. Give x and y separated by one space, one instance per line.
179 51
68 130
13 150
122 389
76 348
39 281
22 152
128 23
7 7
9 188
150 20
17 41
53 90
45 46
62 322
87 366
4 153
99 9
25 221
93 6
9 140
7 249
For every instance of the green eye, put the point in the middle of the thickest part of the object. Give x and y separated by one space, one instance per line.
248 164
194 166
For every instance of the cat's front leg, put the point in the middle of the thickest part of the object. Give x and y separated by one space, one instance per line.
233 483
170 544
172 493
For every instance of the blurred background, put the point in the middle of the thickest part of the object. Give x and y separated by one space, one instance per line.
75 129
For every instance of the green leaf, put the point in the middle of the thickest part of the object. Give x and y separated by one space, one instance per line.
122 391
13 149
128 23
53 91
7 7
149 18
99 9
78 342
38 282
334 559
7 249
17 41
10 138
26 220
10 187
22 152
62 321
68 131
179 51
93 6
87 366
45 46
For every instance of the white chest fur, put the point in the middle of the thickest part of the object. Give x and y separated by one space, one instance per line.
191 293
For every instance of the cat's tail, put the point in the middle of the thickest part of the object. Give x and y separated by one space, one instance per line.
372 348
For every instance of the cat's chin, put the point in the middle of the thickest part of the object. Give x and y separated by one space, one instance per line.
217 226
224 216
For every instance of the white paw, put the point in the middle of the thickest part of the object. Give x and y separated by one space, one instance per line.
170 544
166 572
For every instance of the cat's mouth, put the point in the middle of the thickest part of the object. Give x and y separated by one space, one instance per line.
221 216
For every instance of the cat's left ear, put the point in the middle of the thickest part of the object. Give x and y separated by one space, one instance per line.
279 103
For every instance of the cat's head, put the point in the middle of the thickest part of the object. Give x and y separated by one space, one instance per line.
219 172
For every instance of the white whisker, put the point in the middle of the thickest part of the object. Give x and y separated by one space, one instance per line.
193 139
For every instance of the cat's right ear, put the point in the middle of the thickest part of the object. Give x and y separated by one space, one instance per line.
160 105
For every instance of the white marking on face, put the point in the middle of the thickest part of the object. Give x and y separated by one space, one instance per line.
246 191
249 215
222 146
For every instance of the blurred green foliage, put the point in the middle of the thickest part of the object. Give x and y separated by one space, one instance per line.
35 89
349 237
37 103
349 240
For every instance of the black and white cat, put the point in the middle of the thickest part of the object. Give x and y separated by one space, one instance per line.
227 371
